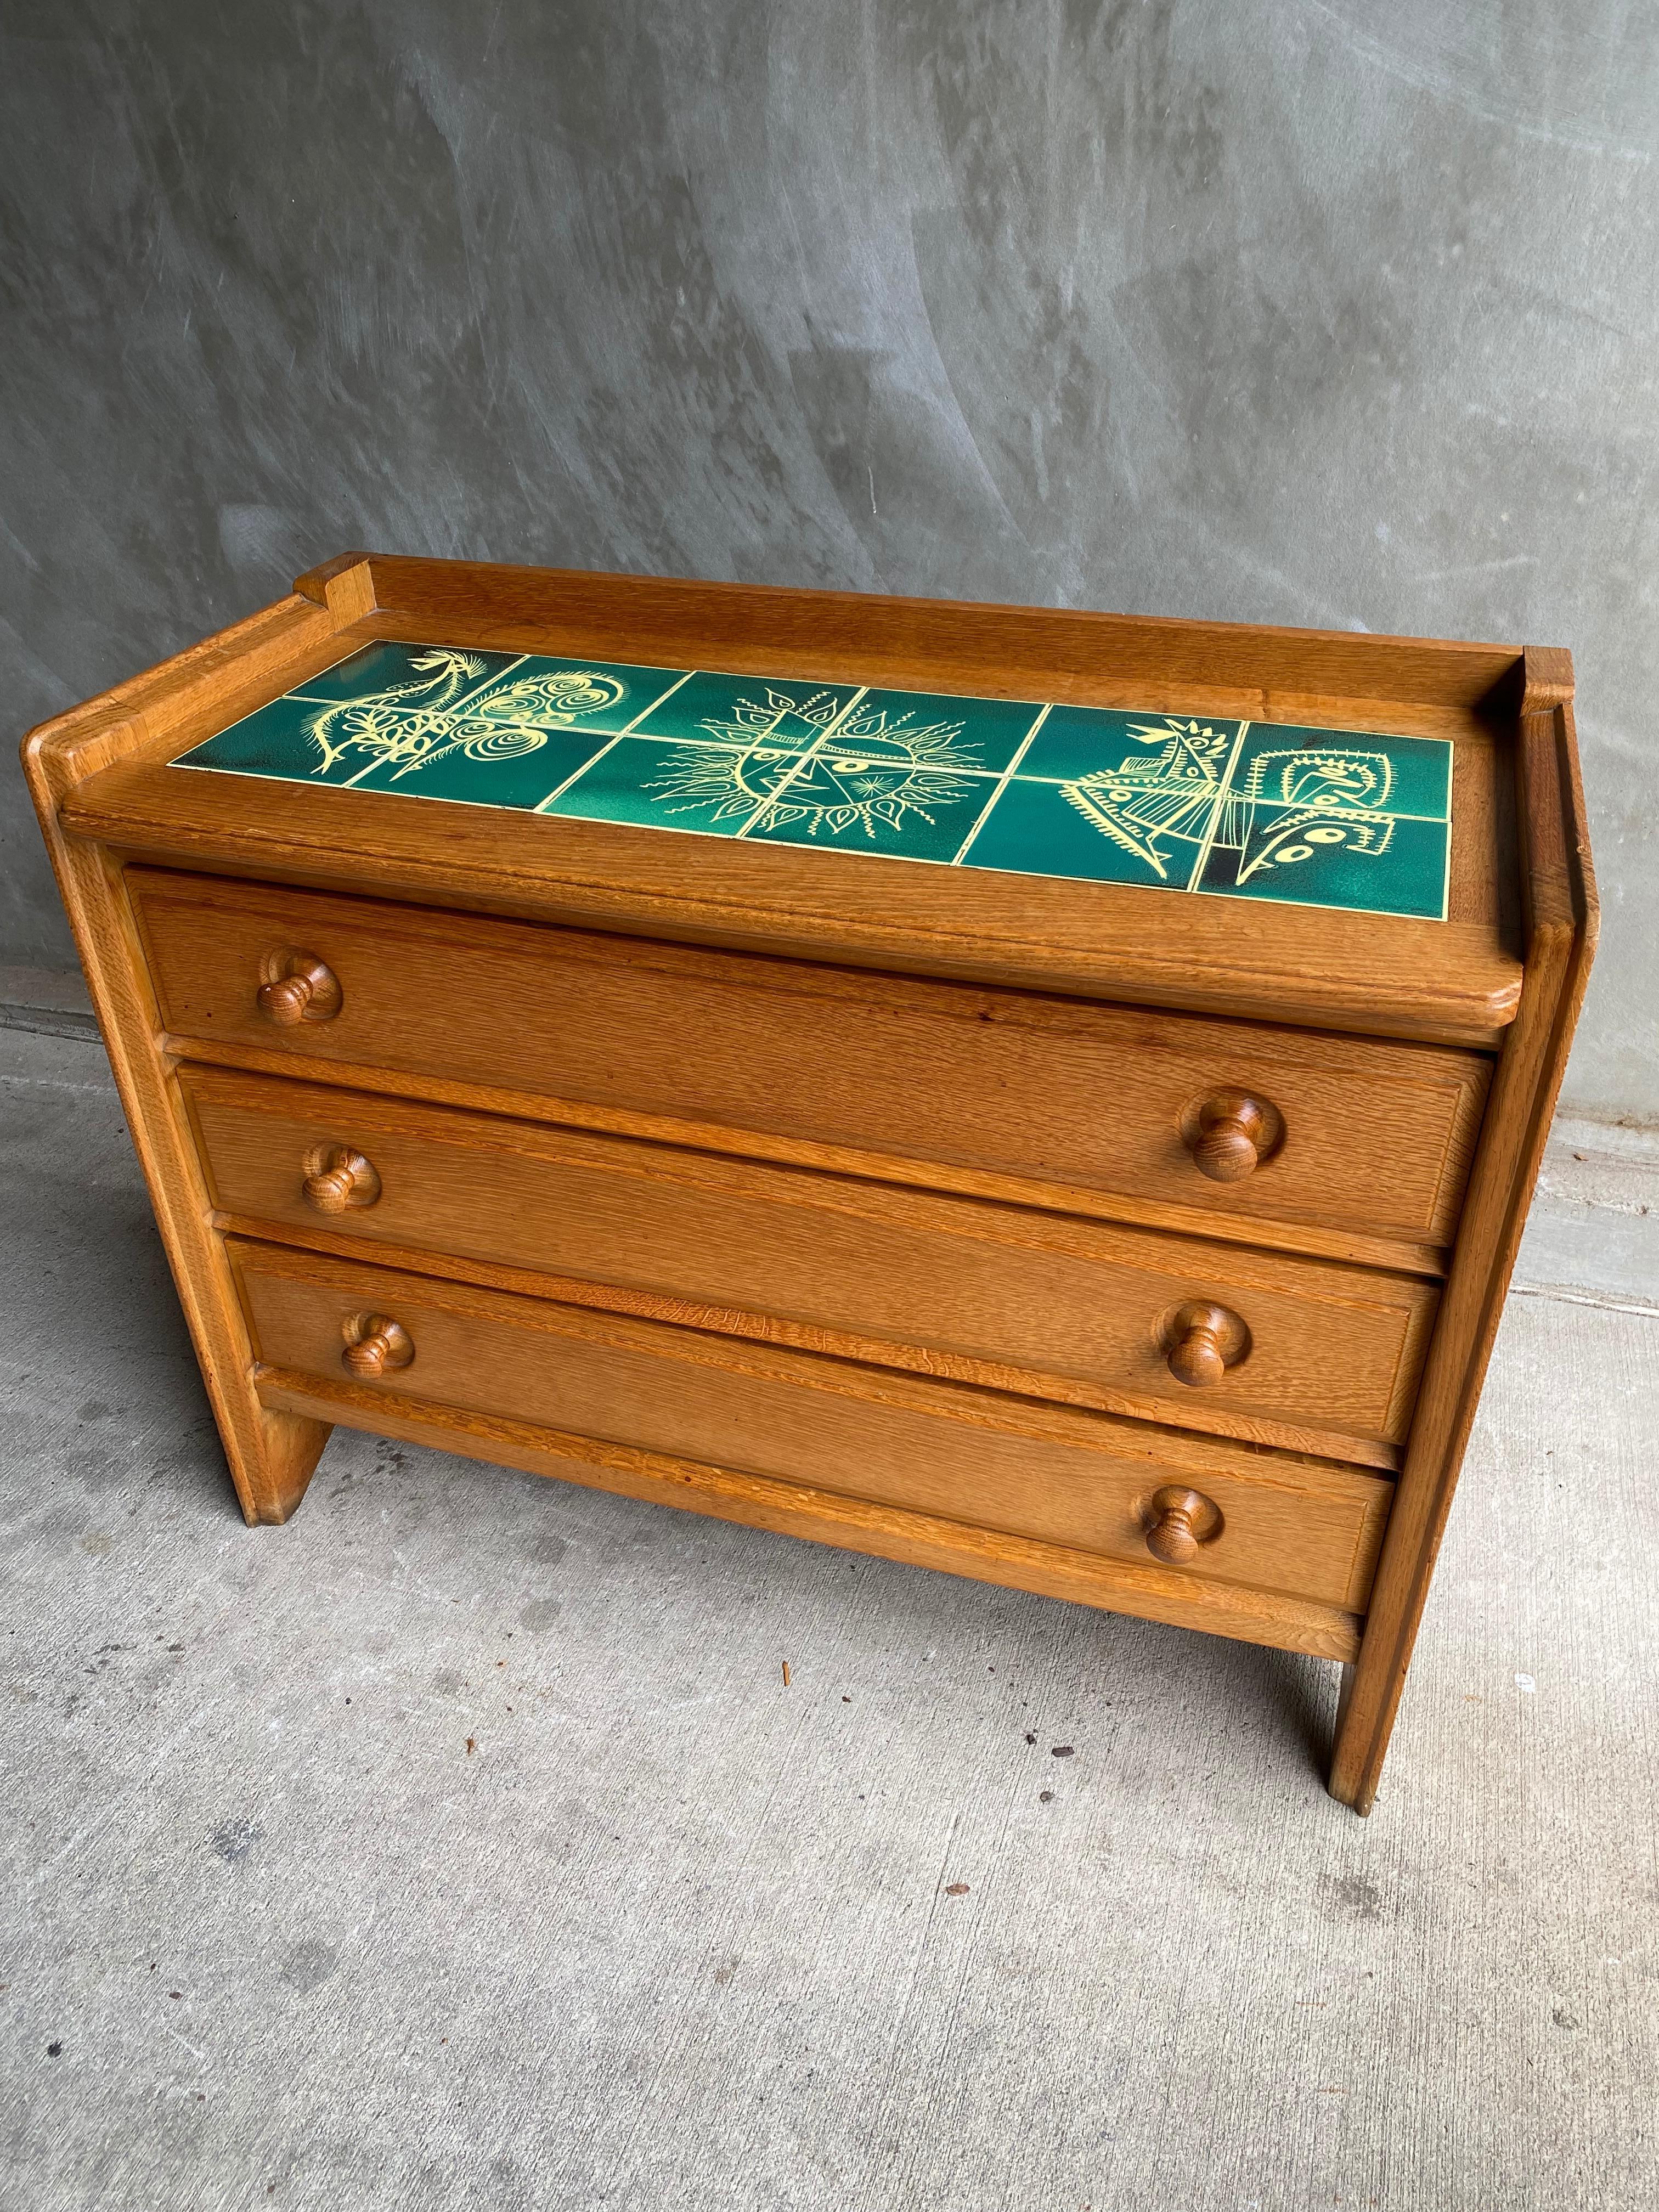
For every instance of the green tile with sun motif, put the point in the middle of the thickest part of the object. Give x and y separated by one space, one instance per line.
886 807
650 785
936 729
749 711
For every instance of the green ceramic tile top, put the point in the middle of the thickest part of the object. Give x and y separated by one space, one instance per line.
446 718
1211 807
715 789
747 711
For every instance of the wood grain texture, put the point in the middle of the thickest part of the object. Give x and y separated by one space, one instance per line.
1377 1138
1297 1527
1006 651
1562 917
1311 1239
1327 1361
994 1087
1144 1592
1449 981
270 1452
1456 981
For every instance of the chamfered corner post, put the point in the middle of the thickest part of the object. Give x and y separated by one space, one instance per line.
1560 917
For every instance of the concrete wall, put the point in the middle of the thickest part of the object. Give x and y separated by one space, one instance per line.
1328 312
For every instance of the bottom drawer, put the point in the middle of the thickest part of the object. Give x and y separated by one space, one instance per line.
1090 1482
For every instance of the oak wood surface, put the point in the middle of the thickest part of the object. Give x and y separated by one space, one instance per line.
1145 1591
1312 1239
773 1329
1300 1527
1561 915
1327 1361
1450 981
270 1452
1376 1136
1006 650
1040 957
1456 981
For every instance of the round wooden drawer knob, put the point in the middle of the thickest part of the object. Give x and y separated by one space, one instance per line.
375 1345
1181 1520
297 987
340 1178
1203 1341
1233 1131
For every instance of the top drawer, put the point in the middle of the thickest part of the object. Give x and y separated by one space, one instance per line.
1072 1098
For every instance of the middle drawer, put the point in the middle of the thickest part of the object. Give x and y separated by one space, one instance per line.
1304 1353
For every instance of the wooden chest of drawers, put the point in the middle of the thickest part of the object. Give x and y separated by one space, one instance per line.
1049 1097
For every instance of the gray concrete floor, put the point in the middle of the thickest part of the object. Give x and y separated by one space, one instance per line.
459 1844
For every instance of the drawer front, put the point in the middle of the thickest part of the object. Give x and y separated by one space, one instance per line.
998 1294
1352 1135
1267 1521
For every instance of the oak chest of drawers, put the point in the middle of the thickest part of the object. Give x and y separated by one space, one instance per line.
1049 1097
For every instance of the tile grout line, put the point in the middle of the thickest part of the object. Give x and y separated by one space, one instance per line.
910 859
627 730
811 753
1003 781
1221 797
484 683
409 645
764 808
455 708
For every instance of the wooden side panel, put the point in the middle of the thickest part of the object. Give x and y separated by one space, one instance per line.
271 1452
1377 1136
1295 1527
1562 920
